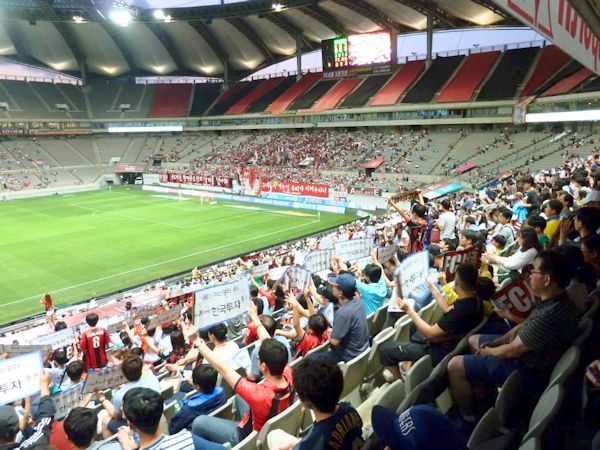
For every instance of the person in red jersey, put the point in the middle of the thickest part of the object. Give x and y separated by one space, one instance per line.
49 307
94 341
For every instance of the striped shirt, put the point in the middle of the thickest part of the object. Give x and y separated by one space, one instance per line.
179 441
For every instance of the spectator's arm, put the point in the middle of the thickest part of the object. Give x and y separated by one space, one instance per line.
45 416
403 213
296 316
439 297
309 304
228 374
26 414
512 350
107 405
429 331
260 328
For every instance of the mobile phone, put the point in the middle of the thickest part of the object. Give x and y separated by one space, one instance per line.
594 374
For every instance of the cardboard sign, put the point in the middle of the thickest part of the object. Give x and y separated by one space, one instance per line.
517 297
168 316
278 272
404 196
100 379
299 278
353 249
16 350
319 260
411 272
241 359
219 303
261 270
325 243
20 377
56 340
454 258
384 254
65 401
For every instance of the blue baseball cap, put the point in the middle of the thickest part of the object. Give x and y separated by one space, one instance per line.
346 283
421 427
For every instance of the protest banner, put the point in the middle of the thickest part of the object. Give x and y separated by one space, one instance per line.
100 379
384 254
57 339
278 272
220 303
454 258
20 377
517 297
411 272
325 243
65 401
261 270
167 316
15 350
319 260
299 278
353 249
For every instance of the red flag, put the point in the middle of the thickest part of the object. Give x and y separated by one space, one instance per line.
252 177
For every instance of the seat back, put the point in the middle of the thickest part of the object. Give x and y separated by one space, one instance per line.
374 364
392 396
354 372
295 362
426 312
170 411
402 329
227 389
487 428
531 444
225 411
376 320
509 398
319 348
565 366
544 412
418 373
287 420
585 325
437 314
595 302
249 443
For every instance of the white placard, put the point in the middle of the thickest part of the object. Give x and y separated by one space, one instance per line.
58 339
319 260
325 243
384 254
299 278
353 249
15 350
65 401
220 303
412 272
100 379
20 377
261 270
328 313
278 272
167 316
242 359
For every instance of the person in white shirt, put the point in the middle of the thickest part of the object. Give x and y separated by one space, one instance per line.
447 221
217 335
529 247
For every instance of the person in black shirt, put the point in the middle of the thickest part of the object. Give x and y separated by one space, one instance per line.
439 339
531 200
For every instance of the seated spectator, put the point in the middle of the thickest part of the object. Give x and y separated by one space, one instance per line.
260 401
552 211
533 347
132 370
529 247
538 223
209 398
80 428
504 227
319 383
316 333
468 239
499 243
439 339
584 276
590 247
586 221
373 290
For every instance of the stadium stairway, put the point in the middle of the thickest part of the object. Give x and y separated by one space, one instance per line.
262 103
231 95
204 96
469 76
256 94
551 60
569 83
390 93
332 98
171 100
313 94
510 73
363 93
289 96
434 78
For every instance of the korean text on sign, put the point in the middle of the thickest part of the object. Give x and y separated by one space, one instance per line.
20 377
411 272
220 303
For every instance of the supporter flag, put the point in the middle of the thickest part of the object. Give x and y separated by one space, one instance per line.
252 177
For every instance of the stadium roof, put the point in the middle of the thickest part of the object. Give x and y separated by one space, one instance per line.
242 36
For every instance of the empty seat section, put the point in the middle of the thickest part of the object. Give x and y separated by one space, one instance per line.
433 79
337 94
551 61
27 103
204 95
231 95
171 100
468 78
313 94
245 102
291 95
567 70
261 104
52 96
569 83
592 86
365 91
399 84
509 75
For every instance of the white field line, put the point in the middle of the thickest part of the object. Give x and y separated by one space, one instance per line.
161 263
156 222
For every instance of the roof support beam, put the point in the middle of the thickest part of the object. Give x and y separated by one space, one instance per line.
212 41
373 14
167 43
113 32
13 33
325 18
252 36
286 25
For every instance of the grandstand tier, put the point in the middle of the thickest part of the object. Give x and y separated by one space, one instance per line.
285 100
205 95
509 75
399 84
254 95
275 92
363 93
171 100
551 60
312 95
333 98
569 83
434 78
472 72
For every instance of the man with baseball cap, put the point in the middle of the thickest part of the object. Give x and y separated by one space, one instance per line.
421 427
40 434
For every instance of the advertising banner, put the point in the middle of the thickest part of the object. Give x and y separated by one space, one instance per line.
293 188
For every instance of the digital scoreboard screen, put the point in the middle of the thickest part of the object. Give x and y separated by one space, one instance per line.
357 50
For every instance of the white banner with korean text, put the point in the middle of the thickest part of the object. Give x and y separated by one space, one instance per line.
411 272
58 339
20 377
100 379
353 249
219 303
65 401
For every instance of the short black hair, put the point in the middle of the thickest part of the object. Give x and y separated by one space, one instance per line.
219 331
373 272
467 274
80 426
132 367
177 341
485 288
568 198
471 220
446 203
91 319
205 377
555 205
470 235
274 354
506 213
318 324
260 306
143 407
75 370
528 179
500 240
592 242
269 324
419 210
253 291
60 325
589 217
536 221
557 266
60 357
319 381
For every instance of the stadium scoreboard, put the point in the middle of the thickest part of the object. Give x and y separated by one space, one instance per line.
369 52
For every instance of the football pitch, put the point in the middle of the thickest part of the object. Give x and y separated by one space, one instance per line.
80 246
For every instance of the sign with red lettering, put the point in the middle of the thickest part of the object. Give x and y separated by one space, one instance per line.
454 258
558 21
517 297
293 188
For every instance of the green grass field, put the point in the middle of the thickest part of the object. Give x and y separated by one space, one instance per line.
84 245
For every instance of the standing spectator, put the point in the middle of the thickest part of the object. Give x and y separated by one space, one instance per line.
447 222
532 199
94 341
416 224
567 202
374 291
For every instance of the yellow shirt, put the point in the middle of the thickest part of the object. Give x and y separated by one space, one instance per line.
452 296
551 228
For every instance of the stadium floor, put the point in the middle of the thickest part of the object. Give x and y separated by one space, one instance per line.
85 245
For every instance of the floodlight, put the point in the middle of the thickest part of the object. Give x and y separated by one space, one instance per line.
121 17
158 14
278 7
78 19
